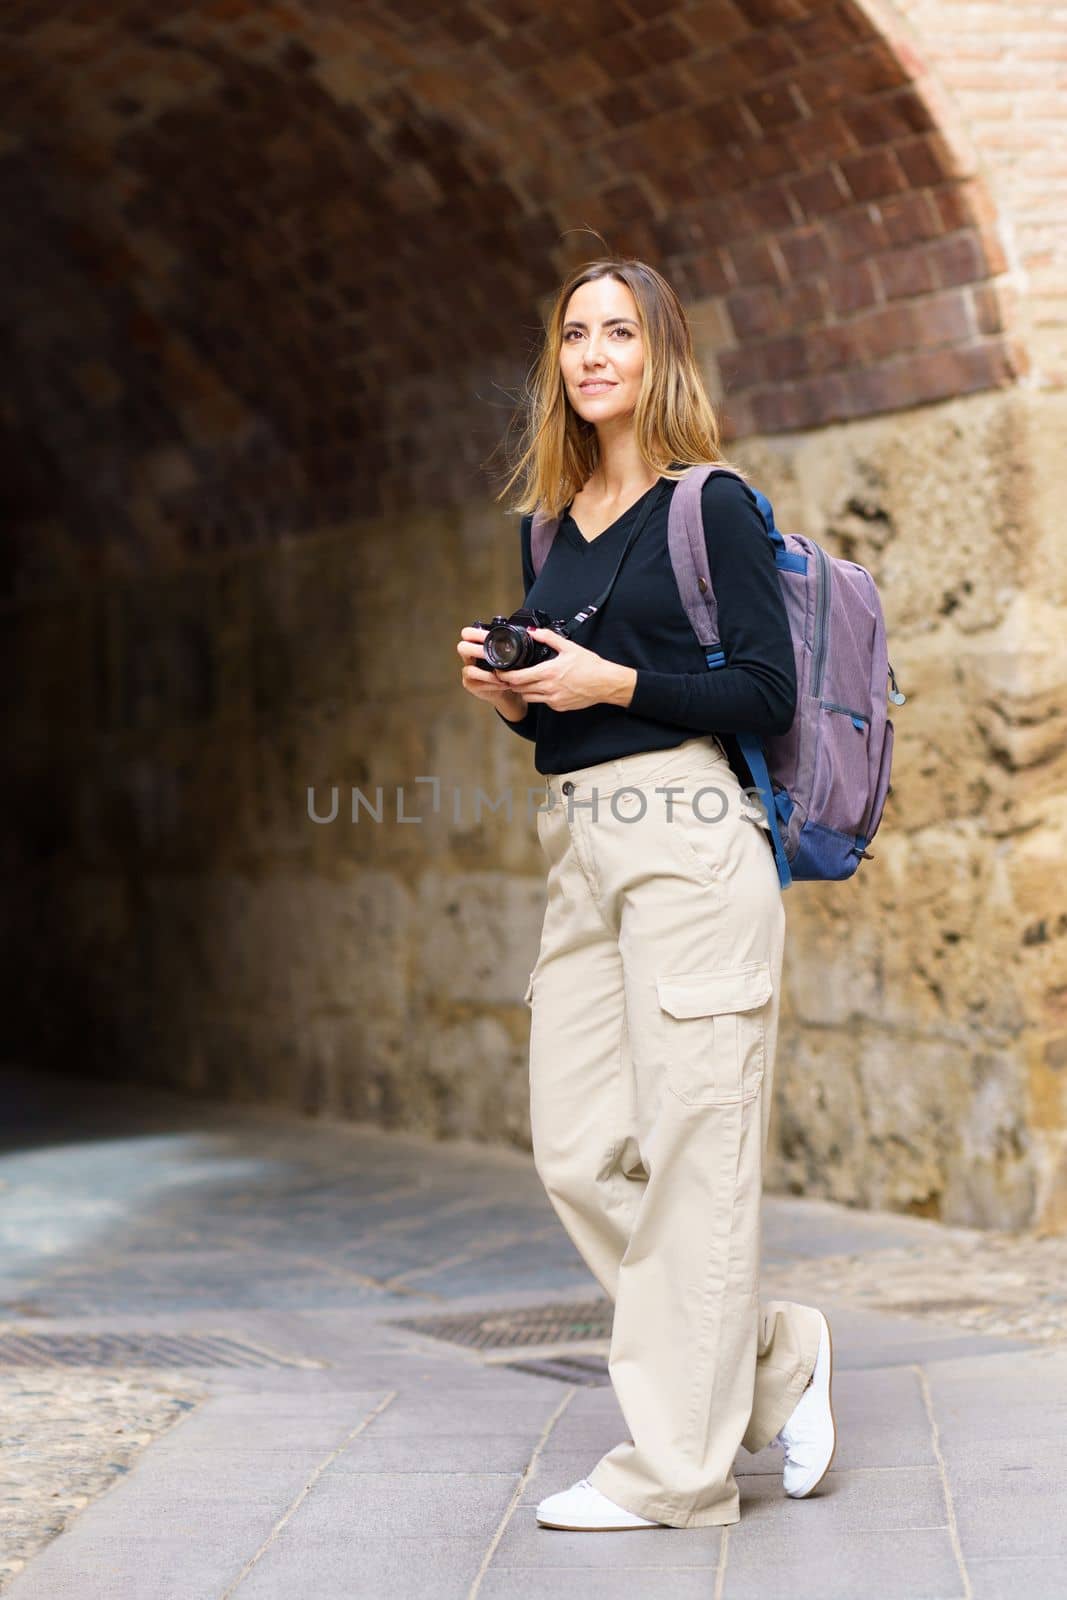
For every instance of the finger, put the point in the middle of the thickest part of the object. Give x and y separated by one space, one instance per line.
519 677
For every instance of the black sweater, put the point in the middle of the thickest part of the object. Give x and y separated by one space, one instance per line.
644 625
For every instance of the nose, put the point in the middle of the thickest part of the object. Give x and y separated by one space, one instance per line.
593 357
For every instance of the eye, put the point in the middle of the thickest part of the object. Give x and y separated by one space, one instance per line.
627 333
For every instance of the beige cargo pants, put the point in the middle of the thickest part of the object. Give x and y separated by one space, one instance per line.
654 1014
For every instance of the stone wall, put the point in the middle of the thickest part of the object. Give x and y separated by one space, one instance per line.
270 277
922 1064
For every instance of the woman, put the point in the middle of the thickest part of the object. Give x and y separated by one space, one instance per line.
655 995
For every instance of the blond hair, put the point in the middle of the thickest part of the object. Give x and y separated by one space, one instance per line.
674 420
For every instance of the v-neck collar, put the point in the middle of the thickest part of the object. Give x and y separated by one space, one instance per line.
577 537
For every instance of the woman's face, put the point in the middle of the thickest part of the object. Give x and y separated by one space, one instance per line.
601 356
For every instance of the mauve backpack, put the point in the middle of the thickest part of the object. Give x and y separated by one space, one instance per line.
823 784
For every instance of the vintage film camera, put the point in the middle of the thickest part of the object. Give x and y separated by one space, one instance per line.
507 644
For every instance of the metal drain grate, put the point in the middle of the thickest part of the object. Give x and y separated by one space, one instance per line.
589 1371
555 1323
137 1350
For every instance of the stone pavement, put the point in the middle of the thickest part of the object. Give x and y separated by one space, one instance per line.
319 1448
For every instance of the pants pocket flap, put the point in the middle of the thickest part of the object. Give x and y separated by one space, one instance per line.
706 994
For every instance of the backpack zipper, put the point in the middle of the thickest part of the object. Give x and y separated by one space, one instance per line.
822 607
895 695
858 717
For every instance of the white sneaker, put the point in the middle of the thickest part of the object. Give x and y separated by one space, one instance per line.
810 1435
582 1506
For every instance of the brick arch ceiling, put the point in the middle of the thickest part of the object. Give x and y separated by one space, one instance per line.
265 266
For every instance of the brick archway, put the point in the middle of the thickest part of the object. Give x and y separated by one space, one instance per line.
285 254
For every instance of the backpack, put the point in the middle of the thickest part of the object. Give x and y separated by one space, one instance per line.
823 784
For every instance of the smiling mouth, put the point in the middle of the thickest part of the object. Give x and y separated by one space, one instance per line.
597 383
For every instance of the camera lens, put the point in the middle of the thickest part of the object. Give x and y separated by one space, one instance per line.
504 646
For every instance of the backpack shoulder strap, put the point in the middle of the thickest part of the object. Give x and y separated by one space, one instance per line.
542 532
689 553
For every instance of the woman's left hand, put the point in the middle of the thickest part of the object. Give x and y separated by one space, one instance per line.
573 679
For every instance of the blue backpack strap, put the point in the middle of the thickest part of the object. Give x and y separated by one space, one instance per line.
784 560
767 513
752 750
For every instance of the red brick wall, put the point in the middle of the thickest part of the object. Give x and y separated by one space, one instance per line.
1003 65
270 266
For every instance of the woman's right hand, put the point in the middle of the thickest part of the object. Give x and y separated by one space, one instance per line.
486 685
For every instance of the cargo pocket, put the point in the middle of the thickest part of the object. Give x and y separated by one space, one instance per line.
714 1032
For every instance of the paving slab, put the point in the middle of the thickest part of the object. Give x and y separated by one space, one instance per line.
1002 1432
1016 1577
587 1583
919 1564
302 1564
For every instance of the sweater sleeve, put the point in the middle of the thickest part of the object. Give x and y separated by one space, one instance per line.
756 690
526 726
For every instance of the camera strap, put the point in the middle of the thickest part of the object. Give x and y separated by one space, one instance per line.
653 499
